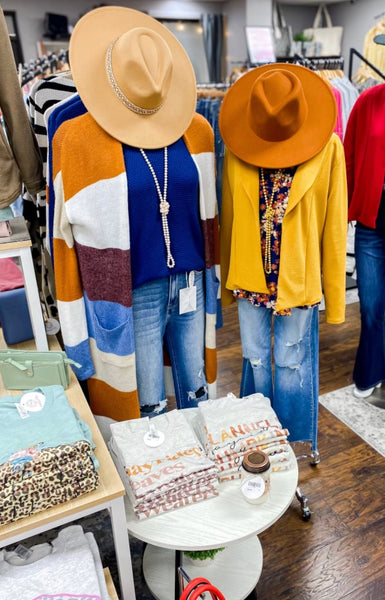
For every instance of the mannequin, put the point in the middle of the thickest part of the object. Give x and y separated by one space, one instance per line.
142 273
283 226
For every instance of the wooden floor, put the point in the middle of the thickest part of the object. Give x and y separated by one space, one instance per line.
340 552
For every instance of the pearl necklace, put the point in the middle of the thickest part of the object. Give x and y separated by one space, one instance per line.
269 215
164 206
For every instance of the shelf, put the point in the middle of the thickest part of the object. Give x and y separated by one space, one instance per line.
235 571
108 495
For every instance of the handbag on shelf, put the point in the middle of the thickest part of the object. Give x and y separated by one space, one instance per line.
326 40
27 369
282 33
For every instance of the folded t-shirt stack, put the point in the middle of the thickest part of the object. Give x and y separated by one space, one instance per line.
157 479
231 426
46 453
67 568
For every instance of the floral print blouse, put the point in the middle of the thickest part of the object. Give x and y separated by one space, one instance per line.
279 204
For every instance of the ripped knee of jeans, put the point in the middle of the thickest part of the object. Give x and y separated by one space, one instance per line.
200 394
256 363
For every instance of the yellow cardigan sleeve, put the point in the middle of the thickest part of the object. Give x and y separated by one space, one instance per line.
334 240
226 223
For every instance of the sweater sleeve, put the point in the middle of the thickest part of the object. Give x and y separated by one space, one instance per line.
349 144
70 298
226 223
334 239
21 138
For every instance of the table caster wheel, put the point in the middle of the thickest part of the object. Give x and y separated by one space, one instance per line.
315 458
306 514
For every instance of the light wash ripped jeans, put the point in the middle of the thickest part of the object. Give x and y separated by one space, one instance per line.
157 320
285 371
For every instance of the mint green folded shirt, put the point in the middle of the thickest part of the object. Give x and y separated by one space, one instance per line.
55 424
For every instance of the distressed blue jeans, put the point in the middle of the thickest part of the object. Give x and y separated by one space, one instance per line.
157 322
281 362
369 367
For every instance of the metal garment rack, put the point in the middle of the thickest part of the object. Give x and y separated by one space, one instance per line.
354 52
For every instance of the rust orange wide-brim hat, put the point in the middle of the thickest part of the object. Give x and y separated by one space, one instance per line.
278 115
133 75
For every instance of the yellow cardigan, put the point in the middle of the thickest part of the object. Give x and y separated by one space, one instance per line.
314 230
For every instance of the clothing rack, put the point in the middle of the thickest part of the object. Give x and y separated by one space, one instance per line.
354 52
219 85
212 90
318 63
40 66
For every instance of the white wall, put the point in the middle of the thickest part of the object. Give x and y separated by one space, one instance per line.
357 17
30 15
235 33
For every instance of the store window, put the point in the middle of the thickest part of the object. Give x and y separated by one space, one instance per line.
190 35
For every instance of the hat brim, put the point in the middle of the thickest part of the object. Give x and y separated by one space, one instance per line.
89 42
310 139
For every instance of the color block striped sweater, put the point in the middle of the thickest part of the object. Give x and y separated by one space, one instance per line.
92 258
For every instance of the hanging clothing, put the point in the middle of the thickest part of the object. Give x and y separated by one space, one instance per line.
373 52
20 160
92 258
44 94
65 110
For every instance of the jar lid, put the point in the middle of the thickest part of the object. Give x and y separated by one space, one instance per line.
255 461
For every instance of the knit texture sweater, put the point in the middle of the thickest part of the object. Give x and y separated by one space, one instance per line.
91 245
365 155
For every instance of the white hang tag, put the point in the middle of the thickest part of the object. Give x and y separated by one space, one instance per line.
23 413
32 401
153 437
188 296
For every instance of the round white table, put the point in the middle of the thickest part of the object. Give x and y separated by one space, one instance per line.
227 520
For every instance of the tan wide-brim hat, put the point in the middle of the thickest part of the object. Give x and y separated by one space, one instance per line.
133 76
278 115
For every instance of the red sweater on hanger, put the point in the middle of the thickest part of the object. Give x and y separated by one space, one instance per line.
365 155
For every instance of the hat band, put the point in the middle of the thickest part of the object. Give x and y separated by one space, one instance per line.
118 92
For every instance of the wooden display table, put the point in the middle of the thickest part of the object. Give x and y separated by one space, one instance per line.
108 495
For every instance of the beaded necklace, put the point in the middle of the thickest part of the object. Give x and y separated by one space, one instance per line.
164 206
269 215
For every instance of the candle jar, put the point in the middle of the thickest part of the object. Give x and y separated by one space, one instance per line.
255 480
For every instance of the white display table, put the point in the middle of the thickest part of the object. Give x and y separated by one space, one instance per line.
227 520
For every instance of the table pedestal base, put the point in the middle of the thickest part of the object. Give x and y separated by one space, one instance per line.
235 571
